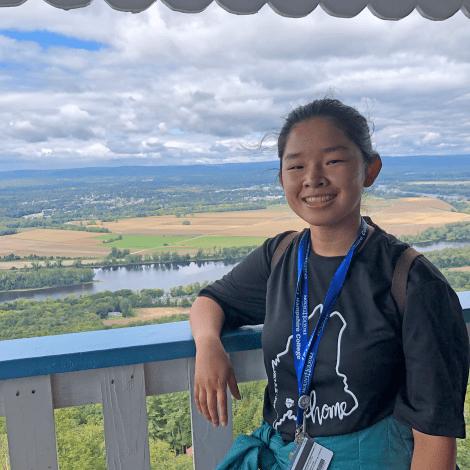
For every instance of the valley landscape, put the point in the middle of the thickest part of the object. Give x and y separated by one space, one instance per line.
146 225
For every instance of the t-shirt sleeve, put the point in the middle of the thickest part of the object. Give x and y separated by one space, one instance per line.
436 352
242 292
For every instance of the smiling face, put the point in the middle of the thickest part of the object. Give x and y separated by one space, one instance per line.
323 174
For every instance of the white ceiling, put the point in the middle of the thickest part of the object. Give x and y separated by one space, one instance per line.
437 10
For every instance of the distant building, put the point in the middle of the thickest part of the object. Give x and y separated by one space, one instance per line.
39 215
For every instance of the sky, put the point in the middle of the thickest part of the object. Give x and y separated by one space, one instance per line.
98 87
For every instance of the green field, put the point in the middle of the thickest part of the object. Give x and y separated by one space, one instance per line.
196 242
222 242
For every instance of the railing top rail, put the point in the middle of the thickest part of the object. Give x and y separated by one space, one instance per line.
71 352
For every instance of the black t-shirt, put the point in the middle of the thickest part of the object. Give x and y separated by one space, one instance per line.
371 363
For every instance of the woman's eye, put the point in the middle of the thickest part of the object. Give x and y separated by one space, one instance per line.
334 161
296 167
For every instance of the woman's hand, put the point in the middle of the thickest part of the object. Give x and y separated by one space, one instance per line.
433 452
213 373
213 368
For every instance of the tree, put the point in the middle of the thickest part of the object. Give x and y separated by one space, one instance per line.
248 413
169 420
80 442
125 307
4 456
101 311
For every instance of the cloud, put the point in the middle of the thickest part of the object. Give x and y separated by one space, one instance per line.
218 78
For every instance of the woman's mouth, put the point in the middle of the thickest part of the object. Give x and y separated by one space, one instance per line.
317 199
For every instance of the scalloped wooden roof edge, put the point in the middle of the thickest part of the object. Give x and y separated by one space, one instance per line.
436 10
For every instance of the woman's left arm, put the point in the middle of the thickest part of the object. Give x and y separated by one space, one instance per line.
433 452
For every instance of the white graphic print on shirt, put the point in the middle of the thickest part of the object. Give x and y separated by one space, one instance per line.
318 411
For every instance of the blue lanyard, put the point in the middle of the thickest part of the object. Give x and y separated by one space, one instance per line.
305 350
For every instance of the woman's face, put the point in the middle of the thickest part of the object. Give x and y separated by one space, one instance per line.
324 173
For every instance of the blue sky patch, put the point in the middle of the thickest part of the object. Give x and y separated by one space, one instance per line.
177 131
47 39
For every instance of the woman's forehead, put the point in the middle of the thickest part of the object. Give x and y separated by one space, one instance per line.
318 133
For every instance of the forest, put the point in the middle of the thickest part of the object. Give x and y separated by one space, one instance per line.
459 231
39 277
29 318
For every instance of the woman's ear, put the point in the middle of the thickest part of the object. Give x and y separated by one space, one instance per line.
279 175
372 171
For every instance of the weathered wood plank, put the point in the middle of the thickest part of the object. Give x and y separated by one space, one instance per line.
78 388
210 444
166 377
30 423
125 418
248 365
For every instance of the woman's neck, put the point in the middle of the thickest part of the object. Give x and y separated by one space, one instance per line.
335 241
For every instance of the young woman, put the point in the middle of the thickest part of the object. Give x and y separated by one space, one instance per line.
380 390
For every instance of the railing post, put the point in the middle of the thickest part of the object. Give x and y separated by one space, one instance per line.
210 445
30 423
125 417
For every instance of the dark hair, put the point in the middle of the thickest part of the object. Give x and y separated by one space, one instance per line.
348 119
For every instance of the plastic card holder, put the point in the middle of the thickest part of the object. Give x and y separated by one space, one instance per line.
310 455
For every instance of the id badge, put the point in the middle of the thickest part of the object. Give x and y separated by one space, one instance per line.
310 455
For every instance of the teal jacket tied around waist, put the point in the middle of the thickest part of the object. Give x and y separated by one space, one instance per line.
387 445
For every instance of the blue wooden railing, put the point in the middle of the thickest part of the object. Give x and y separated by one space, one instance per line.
117 368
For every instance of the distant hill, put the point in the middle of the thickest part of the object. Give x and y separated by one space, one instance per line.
126 172
428 161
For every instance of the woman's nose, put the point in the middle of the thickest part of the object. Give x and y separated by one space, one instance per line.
314 178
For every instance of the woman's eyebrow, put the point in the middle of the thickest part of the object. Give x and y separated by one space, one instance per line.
335 148
291 156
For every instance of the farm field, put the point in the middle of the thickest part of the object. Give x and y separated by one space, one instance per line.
45 242
407 216
144 314
27 264
200 224
176 243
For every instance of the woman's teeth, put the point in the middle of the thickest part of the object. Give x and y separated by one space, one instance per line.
320 198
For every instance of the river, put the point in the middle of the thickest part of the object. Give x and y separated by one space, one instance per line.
161 276
151 276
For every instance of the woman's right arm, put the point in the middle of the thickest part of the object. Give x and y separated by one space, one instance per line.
213 368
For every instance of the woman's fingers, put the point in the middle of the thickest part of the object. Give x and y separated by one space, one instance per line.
196 398
233 386
203 406
212 407
222 401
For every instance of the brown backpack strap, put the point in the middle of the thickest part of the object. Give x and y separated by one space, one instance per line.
400 277
282 247
400 274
